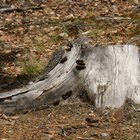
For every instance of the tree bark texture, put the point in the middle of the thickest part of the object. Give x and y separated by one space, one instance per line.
107 75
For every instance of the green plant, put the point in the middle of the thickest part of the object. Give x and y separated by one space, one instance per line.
32 67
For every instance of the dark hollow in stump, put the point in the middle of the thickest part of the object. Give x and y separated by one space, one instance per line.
109 75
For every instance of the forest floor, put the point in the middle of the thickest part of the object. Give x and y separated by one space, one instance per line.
29 34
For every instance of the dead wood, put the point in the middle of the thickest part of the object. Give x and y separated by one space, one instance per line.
106 75
20 9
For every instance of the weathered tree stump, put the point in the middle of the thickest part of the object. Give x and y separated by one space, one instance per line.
107 75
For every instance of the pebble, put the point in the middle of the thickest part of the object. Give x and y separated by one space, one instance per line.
104 135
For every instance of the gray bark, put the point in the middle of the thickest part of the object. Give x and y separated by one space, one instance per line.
107 75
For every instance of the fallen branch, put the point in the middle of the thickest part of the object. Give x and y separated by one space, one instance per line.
21 9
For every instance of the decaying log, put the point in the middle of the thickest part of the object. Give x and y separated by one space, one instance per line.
107 75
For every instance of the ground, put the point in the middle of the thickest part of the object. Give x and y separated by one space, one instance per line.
27 39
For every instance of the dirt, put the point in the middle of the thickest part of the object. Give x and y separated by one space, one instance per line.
77 121
28 38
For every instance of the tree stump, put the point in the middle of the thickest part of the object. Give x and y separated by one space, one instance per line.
107 75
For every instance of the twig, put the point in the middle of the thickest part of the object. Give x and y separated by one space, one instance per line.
113 18
62 133
81 138
17 9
